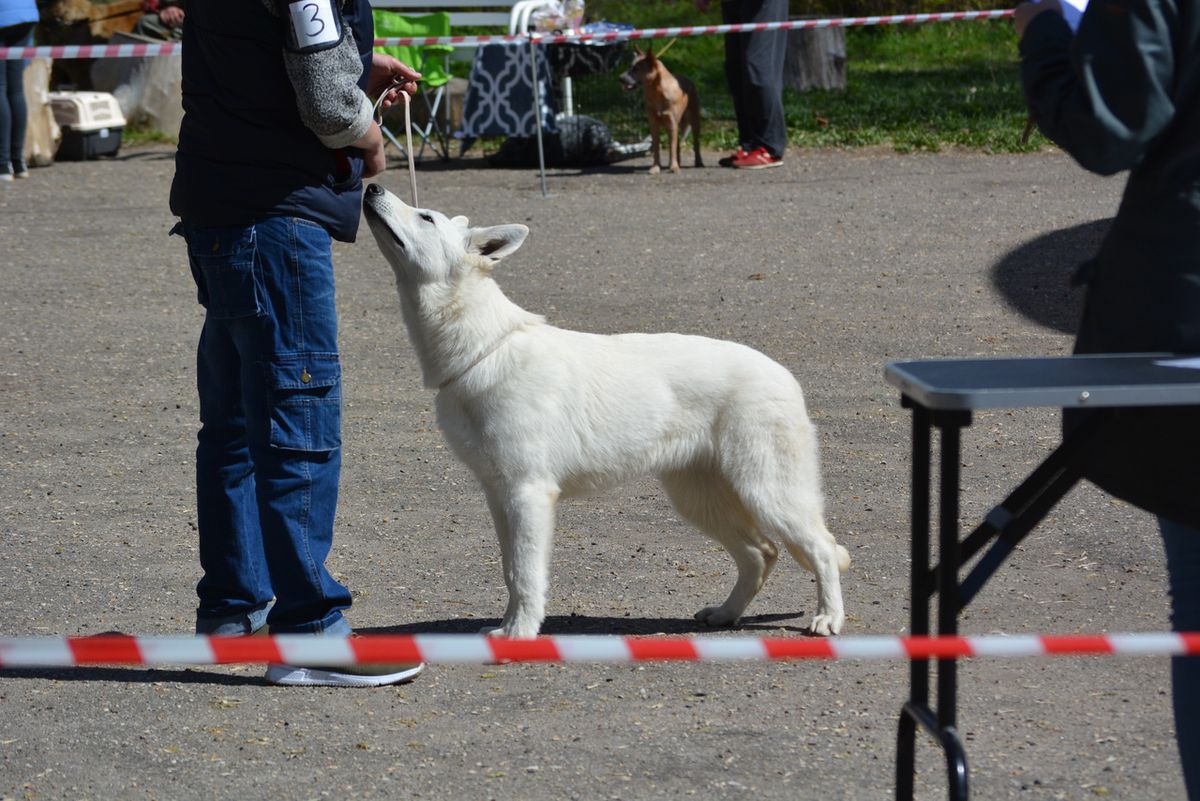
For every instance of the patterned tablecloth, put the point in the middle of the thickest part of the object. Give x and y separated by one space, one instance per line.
500 93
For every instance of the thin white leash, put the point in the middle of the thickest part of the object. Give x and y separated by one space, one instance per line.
408 146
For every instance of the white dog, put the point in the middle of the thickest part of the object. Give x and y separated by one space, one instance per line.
539 413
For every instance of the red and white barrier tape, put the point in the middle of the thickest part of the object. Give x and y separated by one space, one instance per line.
91 51
480 649
170 48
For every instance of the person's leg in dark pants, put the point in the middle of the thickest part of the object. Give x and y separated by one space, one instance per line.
765 51
735 63
13 110
754 72
1182 544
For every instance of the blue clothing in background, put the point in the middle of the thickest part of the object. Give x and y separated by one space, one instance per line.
17 20
16 12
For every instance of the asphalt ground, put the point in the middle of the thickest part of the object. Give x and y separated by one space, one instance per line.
834 264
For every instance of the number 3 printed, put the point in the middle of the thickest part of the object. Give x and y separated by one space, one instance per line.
314 23
316 17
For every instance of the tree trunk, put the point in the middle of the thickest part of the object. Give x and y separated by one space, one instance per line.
42 133
816 58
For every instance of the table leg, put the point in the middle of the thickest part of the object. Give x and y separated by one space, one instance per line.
951 425
916 711
920 591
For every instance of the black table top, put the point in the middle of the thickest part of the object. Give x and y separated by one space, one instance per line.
1077 381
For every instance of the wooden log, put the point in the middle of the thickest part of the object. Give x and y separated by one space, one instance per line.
816 59
42 133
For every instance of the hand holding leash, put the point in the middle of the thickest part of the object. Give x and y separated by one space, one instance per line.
402 90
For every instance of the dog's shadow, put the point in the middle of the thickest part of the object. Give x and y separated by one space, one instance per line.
620 626
1034 278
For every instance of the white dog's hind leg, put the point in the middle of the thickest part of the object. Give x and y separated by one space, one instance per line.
827 560
801 528
781 490
708 503
524 522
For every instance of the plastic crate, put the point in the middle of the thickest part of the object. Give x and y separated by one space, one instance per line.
91 122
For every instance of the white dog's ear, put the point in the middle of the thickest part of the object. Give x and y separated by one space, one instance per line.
498 241
461 221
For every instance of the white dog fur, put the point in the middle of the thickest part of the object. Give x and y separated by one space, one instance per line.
540 413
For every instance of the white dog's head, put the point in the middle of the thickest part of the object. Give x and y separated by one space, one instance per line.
452 308
427 247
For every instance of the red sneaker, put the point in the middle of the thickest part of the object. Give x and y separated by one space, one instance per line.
728 161
757 159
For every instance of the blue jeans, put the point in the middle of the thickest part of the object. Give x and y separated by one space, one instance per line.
13 110
1182 544
268 459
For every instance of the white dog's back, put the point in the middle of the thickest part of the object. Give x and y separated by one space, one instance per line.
605 408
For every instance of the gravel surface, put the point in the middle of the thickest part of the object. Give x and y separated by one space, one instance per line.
834 265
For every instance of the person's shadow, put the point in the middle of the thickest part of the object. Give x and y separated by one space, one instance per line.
1035 278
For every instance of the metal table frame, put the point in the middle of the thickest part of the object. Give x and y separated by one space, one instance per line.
942 394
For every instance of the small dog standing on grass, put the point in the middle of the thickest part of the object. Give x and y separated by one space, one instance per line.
540 413
670 100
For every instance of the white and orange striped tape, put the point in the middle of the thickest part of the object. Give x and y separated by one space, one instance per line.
171 48
481 649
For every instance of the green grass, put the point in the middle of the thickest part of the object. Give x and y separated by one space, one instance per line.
137 133
919 87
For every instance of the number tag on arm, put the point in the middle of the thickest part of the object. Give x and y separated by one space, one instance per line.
314 25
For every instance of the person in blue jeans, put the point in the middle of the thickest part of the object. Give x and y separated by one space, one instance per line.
1123 93
277 134
17 21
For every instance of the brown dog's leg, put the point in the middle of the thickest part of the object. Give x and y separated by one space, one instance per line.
654 131
673 132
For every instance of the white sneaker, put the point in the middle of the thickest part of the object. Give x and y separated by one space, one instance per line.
344 676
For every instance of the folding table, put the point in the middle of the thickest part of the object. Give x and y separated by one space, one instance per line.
942 394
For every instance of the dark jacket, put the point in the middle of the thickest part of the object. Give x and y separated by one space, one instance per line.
244 153
1124 93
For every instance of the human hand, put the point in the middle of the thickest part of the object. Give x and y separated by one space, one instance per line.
172 16
1025 12
389 77
371 145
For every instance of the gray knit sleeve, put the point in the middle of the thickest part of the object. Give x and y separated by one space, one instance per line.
326 84
327 93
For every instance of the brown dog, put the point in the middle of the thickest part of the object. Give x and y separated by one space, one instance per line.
670 101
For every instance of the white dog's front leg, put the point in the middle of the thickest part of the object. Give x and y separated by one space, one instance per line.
524 522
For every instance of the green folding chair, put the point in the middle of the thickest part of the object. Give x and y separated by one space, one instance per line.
433 62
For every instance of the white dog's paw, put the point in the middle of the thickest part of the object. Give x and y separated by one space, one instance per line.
515 632
716 616
827 625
